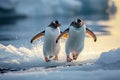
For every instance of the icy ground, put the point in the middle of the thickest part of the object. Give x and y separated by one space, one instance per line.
107 67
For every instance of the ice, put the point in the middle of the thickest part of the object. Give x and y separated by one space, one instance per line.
92 71
23 57
17 57
108 58
8 4
47 7
70 75
31 8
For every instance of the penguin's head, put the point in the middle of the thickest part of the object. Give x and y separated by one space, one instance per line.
55 24
79 22
73 23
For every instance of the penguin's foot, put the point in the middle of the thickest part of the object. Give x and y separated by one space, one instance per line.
75 56
55 58
46 59
69 59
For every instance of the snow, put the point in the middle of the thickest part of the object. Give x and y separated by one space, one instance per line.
112 57
22 57
107 67
70 75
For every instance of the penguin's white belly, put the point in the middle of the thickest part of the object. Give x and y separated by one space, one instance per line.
50 46
75 41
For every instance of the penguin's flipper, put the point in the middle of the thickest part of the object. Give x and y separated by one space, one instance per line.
88 31
37 36
63 34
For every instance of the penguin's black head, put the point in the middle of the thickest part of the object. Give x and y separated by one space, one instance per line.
55 24
79 22
73 23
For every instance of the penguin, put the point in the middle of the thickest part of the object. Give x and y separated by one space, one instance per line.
76 37
50 47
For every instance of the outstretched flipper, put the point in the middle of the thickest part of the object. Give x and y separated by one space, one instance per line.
63 34
37 36
88 31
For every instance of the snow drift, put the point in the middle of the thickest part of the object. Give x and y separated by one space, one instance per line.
110 59
23 58
85 72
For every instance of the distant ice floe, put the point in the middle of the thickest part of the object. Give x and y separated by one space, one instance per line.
8 4
48 7
37 8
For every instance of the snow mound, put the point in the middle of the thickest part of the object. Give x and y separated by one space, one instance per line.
110 59
93 72
22 57
11 56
